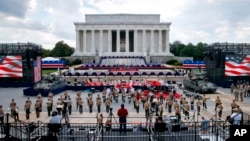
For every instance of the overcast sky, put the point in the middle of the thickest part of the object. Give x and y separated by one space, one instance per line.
46 22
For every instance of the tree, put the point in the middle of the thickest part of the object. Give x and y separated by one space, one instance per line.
187 51
190 50
176 48
46 53
62 49
199 51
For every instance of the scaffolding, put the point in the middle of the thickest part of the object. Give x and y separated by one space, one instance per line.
215 61
19 48
29 53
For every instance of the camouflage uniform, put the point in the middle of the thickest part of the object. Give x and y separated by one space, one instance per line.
98 103
27 107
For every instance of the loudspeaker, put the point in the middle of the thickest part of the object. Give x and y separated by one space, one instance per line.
27 56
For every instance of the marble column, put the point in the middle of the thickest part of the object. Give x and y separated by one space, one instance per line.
101 42
85 41
135 41
160 41
109 41
143 41
167 41
93 41
78 40
127 41
152 41
118 42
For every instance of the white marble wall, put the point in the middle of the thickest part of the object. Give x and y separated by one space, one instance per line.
95 36
90 42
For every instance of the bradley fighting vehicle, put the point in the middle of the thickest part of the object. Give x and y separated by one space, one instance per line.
50 82
197 82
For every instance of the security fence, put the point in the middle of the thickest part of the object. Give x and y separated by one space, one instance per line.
175 130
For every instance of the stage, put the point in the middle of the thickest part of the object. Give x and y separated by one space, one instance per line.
33 92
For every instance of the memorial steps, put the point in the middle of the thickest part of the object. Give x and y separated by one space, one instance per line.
125 68
122 61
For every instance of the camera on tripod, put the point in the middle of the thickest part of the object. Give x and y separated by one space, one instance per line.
110 110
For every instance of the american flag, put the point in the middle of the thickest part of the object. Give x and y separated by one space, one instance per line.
37 69
11 66
237 65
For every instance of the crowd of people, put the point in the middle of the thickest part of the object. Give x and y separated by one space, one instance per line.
152 105
240 89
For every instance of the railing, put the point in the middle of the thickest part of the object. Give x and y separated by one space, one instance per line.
38 129
177 130
182 131
16 128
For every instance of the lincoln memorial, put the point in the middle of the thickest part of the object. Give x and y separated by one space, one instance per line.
122 35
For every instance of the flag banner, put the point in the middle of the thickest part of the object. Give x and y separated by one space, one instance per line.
37 69
11 66
188 64
237 65
53 64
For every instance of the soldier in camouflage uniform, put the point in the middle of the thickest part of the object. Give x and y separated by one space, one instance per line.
27 107
236 93
90 103
98 103
107 103
170 103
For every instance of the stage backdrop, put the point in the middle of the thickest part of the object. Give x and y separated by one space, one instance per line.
237 65
11 66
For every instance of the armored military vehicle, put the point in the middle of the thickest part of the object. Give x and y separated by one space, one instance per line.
197 82
50 82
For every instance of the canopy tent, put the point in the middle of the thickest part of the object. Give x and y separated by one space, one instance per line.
50 59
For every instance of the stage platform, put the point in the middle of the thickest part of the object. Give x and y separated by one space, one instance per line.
32 92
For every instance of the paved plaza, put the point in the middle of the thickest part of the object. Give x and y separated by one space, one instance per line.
6 94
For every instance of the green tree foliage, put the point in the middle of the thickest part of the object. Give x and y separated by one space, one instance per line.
62 49
76 62
199 51
46 53
176 47
189 50
173 62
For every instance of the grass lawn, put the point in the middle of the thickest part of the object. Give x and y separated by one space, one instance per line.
46 71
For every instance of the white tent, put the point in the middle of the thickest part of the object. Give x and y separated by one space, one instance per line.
50 59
